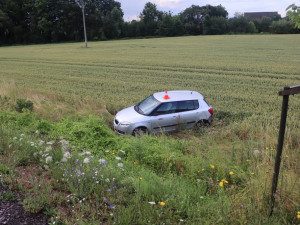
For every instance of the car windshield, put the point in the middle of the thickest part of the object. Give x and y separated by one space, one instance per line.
147 105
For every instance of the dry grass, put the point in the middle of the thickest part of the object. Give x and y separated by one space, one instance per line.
51 105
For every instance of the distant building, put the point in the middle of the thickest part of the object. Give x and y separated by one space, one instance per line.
259 15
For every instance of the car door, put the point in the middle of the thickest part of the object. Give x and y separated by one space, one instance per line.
164 118
187 113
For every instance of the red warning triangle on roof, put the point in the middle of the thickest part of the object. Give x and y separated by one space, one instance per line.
166 95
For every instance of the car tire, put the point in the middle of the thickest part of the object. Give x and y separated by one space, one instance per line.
139 131
200 124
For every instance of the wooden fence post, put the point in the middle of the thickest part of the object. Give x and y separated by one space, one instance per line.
285 93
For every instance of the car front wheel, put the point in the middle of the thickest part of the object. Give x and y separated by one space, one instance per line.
139 131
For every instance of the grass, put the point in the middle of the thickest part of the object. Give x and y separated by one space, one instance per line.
71 87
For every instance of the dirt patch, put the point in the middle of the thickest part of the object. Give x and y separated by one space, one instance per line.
12 212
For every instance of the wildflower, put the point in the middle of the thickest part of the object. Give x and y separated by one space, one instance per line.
37 132
201 197
105 163
86 160
286 156
225 181
115 187
49 148
212 166
298 215
106 150
120 165
20 139
108 190
152 203
118 158
122 151
231 173
252 173
67 154
107 180
22 135
247 160
203 169
221 184
15 138
77 160
198 180
140 178
48 159
101 161
10 146
162 203
41 142
49 143
112 207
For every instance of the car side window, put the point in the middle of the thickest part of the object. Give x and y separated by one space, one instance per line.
183 106
166 108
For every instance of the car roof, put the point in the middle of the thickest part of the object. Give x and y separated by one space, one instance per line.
179 95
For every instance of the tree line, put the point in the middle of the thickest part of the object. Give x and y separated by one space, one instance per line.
46 21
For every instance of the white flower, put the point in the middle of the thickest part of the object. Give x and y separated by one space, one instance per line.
37 132
152 203
10 146
20 139
15 138
41 142
67 155
49 148
64 159
32 144
120 165
201 197
46 167
49 143
86 160
107 180
122 151
106 150
102 161
49 159
118 158
22 135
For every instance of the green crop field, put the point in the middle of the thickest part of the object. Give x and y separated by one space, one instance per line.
221 174
243 73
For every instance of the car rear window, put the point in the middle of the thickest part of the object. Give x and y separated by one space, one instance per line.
188 105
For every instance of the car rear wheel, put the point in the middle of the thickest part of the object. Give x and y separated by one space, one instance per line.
201 124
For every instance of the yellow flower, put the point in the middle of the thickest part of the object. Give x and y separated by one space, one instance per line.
267 148
231 173
247 160
162 203
203 169
224 181
286 156
221 184
140 178
298 215
252 173
212 166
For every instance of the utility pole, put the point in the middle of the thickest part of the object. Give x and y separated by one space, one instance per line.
81 4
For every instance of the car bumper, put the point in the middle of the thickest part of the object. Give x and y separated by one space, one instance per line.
120 129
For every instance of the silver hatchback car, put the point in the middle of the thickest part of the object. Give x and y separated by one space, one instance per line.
164 112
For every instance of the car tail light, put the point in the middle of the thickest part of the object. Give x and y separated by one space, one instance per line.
211 111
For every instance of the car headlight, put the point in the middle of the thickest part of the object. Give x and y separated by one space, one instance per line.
125 124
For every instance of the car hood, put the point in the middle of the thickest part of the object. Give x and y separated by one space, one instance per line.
129 115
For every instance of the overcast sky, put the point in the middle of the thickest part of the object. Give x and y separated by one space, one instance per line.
132 8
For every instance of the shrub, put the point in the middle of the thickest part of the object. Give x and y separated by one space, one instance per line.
24 104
